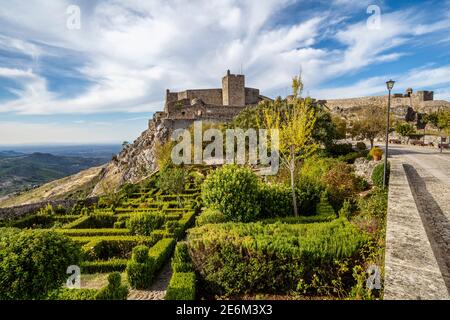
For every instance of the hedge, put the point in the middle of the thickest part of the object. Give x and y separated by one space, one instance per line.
76 222
98 220
114 290
145 263
74 294
161 251
235 258
210 216
90 267
181 286
181 261
276 200
378 174
41 220
94 232
103 248
140 268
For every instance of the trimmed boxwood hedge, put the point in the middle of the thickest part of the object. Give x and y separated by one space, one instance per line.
112 265
94 232
145 263
181 286
103 248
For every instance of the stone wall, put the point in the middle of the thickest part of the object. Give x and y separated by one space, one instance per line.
19 211
252 96
208 96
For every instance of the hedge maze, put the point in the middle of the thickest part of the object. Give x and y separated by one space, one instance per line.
107 236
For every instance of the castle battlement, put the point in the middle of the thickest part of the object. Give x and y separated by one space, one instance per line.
220 104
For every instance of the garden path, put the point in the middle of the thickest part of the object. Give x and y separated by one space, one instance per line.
428 175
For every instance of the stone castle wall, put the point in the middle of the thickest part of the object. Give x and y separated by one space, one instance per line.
208 96
422 101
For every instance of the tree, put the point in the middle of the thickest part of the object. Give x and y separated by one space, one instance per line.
441 120
370 124
405 129
295 126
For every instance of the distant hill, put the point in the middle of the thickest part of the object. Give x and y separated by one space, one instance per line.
10 154
21 172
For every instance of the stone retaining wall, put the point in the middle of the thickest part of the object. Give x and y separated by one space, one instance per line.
19 211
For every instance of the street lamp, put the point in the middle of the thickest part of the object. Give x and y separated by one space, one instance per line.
389 85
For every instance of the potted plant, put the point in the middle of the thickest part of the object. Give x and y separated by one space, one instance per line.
376 153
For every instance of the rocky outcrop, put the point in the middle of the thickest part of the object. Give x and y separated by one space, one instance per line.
137 160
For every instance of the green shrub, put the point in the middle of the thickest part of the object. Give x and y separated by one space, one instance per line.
181 286
350 158
308 195
233 190
324 208
34 262
361 146
96 220
114 290
93 232
276 200
172 180
161 252
120 224
378 174
234 258
140 268
339 149
144 223
73 294
375 205
341 184
181 261
106 247
210 215
345 211
34 221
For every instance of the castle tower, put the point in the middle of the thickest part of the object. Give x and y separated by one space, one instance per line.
233 89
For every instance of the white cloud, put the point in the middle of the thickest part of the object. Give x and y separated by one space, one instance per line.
418 79
133 50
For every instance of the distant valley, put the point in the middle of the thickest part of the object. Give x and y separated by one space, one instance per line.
25 168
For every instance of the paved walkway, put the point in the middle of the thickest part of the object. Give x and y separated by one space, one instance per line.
418 227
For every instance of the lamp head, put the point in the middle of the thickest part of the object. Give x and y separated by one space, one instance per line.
390 84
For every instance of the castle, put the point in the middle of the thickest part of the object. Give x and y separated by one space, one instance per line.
182 108
216 105
405 104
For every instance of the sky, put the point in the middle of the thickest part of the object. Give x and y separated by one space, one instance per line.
93 71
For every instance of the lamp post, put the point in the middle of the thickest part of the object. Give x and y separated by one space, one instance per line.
389 85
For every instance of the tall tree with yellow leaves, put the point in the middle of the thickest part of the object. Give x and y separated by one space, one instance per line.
295 125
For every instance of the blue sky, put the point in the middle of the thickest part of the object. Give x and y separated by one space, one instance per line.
101 82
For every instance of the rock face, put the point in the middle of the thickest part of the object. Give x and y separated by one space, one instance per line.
137 160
